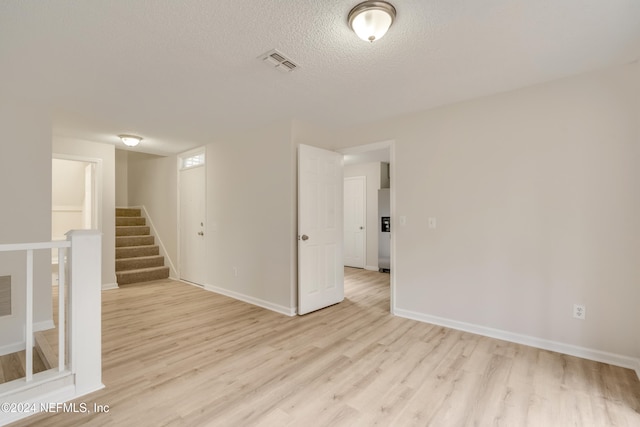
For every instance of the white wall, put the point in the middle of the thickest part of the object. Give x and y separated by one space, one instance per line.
152 183
122 180
534 191
250 212
249 216
536 198
372 173
105 153
25 173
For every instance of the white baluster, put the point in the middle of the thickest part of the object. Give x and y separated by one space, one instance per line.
29 323
61 308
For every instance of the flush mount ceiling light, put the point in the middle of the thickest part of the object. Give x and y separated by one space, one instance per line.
370 20
130 140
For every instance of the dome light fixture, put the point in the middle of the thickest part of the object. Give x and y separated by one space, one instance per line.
130 140
371 20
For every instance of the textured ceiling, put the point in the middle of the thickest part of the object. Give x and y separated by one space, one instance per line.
181 73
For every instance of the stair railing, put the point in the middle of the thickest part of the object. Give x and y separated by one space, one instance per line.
28 249
79 320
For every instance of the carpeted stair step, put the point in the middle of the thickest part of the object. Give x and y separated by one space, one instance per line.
142 275
138 258
133 230
128 212
135 263
122 241
137 251
130 220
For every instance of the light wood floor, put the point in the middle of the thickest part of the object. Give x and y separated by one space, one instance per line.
13 366
180 356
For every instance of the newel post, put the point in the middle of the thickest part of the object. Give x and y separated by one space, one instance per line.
85 309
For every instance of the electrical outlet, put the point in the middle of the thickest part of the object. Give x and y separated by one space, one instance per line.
432 223
235 271
579 311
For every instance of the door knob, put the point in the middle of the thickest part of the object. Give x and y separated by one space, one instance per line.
200 233
305 237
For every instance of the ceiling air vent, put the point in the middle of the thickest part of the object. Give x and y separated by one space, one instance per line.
278 60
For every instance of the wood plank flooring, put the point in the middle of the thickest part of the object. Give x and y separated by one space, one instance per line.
176 355
13 365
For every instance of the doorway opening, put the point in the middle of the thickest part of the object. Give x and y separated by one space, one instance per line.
375 162
75 198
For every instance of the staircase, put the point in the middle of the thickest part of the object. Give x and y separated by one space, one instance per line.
138 258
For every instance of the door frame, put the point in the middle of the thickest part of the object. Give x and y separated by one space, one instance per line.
391 145
179 160
96 191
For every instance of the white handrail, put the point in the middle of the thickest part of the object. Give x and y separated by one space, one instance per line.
79 369
40 245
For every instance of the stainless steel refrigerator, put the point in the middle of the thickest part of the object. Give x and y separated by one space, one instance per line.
384 230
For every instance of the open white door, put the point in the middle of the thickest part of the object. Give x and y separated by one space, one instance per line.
320 236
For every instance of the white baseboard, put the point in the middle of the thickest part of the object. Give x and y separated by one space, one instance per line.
569 349
252 300
11 348
109 286
371 267
43 326
20 345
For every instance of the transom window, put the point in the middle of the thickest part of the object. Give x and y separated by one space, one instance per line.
193 161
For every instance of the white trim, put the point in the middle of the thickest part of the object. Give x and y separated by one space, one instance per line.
43 326
62 208
374 146
392 195
558 347
12 348
10 247
186 282
252 300
48 388
18 391
109 286
371 267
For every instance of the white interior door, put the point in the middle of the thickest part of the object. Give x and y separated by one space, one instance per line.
192 217
355 219
320 236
